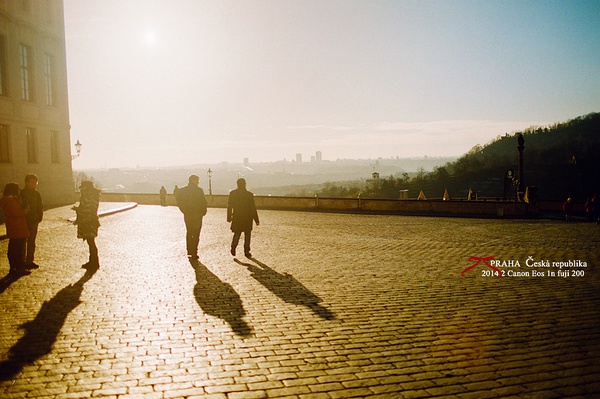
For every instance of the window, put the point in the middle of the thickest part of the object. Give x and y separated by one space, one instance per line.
54 140
49 78
4 144
31 145
26 72
3 79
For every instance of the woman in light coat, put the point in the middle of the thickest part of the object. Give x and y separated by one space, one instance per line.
87 220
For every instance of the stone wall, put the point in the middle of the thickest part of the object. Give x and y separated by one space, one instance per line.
496 209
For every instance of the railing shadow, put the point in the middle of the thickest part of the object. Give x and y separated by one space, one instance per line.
286 287
219 299
42 332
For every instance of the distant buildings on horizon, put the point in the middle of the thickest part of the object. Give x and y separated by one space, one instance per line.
318 157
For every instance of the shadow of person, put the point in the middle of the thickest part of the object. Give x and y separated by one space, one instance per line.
286 287
41 332
219 299
8 280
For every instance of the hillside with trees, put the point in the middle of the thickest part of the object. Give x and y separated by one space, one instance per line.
561 160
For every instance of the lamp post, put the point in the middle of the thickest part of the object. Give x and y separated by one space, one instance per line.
77 149
209 173
521 184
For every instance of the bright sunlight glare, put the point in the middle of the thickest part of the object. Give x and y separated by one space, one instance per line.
150 37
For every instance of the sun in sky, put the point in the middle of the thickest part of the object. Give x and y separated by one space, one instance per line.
208 81
149 37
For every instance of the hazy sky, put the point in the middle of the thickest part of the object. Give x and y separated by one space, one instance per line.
175 82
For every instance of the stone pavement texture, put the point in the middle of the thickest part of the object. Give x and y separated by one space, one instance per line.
332 306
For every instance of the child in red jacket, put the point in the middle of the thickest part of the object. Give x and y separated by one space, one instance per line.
16 228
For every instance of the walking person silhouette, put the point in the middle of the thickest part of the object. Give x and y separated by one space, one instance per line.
87 220
163 196
32 199
192 203
241 212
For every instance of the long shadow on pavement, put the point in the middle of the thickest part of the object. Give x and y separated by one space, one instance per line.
41 332
286 287
8 280
219 299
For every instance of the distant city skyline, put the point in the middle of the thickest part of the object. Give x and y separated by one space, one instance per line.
162 83
266 178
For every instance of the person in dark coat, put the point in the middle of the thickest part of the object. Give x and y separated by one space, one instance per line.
241 212
32 199
87 220
595 209
589 209
163 196
568 209
192 203
16 228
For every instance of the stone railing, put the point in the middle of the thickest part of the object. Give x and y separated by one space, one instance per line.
488 208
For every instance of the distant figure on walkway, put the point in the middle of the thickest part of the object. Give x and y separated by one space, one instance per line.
87 220
591 209
192 203
241 212
16 228
32 199
163 196
568 209
596 207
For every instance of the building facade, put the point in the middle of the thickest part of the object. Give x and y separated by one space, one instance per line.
34 109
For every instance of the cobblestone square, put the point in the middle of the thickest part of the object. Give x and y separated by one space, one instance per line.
331 306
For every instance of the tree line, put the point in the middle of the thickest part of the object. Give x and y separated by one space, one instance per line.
560 160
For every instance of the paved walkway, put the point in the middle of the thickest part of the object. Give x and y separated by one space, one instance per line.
332 306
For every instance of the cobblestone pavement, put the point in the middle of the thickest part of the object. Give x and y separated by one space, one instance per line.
332 306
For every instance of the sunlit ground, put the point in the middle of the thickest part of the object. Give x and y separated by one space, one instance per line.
345 304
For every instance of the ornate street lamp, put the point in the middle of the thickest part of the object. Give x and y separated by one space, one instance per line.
77 149
209 173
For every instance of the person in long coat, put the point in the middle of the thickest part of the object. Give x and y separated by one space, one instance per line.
87 220
163 196
32 199
241 212
16 228
568 209
192 203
